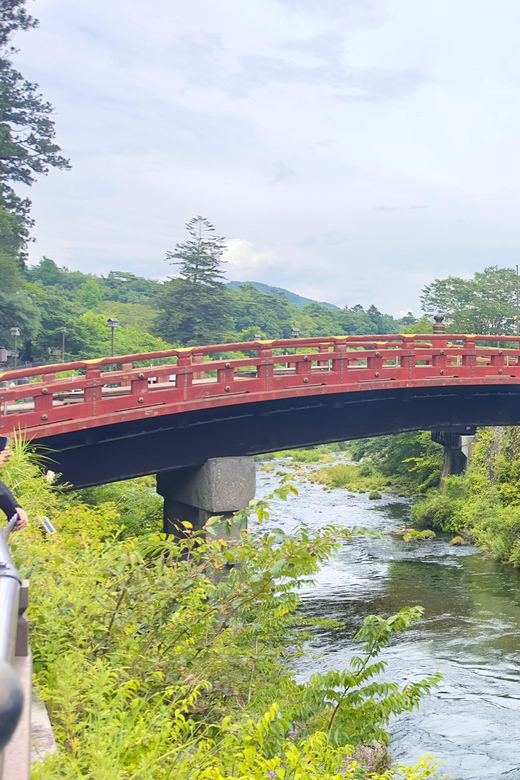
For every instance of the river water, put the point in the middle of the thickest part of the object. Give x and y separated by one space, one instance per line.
470 630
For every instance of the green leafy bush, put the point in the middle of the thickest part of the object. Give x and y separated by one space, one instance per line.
161 658
139 507
411 460
358 478
484 502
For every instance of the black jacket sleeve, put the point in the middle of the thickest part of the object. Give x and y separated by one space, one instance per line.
8 503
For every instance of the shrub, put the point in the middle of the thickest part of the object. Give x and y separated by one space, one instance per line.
457 540
435 510
162 658
358 478
139 507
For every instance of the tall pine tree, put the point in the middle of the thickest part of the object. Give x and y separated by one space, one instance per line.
200 258
196 307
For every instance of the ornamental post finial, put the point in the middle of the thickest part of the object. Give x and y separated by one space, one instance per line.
439 327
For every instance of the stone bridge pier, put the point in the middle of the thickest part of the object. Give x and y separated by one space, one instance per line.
221 486
458 445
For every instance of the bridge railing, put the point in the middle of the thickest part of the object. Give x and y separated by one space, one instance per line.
111 389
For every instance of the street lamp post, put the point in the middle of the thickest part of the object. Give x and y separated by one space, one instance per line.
63 332
112 322
15 332
295 334
517 305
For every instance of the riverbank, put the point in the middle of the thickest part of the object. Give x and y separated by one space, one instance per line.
154 665
484 503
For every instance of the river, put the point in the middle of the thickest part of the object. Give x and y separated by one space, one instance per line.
470 630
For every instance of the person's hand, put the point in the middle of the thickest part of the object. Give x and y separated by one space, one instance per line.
5 456
22 521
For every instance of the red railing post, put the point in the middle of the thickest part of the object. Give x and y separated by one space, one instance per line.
408 358
439 361
93 393
264 366
468 361
498 361
44 401
126 367
374 362
226 376
322 349
304 368
139 386
185 375
198 357
338 364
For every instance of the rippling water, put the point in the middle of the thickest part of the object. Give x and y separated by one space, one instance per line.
470 631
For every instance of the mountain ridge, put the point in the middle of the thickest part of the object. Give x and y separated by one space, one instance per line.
297 300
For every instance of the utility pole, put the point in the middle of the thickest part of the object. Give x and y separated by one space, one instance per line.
63 332
517 320
15 332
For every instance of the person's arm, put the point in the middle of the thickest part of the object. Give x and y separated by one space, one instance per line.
10 506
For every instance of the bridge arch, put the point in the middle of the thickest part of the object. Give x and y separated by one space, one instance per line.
257 397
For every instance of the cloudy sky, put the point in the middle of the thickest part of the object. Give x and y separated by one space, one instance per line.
349 150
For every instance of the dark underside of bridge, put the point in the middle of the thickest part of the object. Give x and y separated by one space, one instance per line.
130 449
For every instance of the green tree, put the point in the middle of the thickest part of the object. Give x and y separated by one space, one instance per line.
424 325
409 320
127 288
27 133
485 304
55 312
196 308
376 317
412 459
268 314
90 337
48 274
200 258
192 314
12 233
16 307
13 17
90 294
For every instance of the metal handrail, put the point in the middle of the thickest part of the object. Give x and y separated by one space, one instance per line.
11 693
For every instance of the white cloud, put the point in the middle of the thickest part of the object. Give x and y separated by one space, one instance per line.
246 263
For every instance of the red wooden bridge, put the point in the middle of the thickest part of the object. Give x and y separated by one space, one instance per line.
125 416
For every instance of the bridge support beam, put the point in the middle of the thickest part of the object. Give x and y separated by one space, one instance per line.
221 486
457 451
